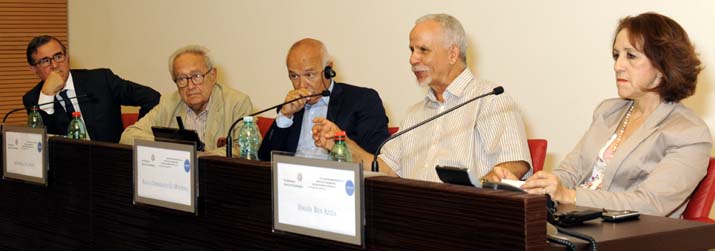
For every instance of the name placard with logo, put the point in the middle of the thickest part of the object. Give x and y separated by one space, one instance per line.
25 154
165 175
318 198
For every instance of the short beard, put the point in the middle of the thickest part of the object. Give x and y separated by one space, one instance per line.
425 82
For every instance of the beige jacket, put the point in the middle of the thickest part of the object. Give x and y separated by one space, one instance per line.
225 106
654 171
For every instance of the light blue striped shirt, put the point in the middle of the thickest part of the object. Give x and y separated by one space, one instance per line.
477 136
306 144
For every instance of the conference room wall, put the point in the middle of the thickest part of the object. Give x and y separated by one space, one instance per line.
553 57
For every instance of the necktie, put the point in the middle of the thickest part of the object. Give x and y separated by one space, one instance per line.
68 103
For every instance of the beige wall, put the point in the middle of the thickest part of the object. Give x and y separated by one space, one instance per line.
554 57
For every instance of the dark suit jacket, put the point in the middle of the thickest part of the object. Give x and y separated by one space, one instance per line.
357 110
101 110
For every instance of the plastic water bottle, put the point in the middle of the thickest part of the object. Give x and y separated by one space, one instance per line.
249 139
340 151
76 129
34 119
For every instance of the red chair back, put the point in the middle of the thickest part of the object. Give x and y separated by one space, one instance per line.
264 123
392 130
537 148
701 201
129 119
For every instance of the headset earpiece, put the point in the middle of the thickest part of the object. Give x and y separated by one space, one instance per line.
328 72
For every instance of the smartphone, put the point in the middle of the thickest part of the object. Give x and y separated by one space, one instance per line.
618 216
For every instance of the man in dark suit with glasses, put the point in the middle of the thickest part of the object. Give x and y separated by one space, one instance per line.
100 93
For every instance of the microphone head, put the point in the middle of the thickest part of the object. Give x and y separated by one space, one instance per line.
325 93
498 90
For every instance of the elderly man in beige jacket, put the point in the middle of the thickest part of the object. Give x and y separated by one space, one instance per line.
204 106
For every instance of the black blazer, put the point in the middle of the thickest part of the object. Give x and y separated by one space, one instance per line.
101 110
357 110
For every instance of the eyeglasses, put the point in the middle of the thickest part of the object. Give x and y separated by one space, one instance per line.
46 61
197 78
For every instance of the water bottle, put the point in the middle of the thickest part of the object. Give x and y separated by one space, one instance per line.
340 151
76 129
34 119
248 139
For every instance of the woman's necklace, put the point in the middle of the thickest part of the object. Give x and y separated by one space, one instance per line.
623 129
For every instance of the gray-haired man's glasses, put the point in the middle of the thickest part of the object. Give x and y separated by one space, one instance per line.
197 78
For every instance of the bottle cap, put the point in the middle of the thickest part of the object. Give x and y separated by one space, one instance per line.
248 119
340 134
76 114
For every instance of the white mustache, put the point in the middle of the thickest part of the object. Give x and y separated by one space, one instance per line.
420 68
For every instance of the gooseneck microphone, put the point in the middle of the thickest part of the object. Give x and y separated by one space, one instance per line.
375 167
229 139
39 105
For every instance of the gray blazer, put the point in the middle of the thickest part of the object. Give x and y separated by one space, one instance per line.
654 171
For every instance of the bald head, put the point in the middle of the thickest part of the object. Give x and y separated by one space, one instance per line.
309 47
306 61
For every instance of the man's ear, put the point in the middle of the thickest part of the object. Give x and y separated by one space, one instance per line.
214 71
35 70
453 54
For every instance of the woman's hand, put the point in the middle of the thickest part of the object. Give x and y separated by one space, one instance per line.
549 183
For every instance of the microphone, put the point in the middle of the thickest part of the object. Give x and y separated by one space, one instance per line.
180 123
375 167
229 139
46 103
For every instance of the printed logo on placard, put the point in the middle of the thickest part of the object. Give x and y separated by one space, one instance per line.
300 177
187 165
39 147
349 187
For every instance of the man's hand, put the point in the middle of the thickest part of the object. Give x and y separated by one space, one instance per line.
323 132
499 173
512 170
53 84
295 106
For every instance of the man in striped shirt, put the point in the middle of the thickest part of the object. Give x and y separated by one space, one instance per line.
486 136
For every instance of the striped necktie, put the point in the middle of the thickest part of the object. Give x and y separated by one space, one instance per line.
68 103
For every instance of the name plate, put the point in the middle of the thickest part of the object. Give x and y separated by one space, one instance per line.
25 154
165 175
318 198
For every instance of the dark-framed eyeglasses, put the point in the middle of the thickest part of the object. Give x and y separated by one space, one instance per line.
197 78
47 61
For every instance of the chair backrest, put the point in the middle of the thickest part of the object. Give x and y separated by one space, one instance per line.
129 119
537 148
393 130
701 201
264 123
